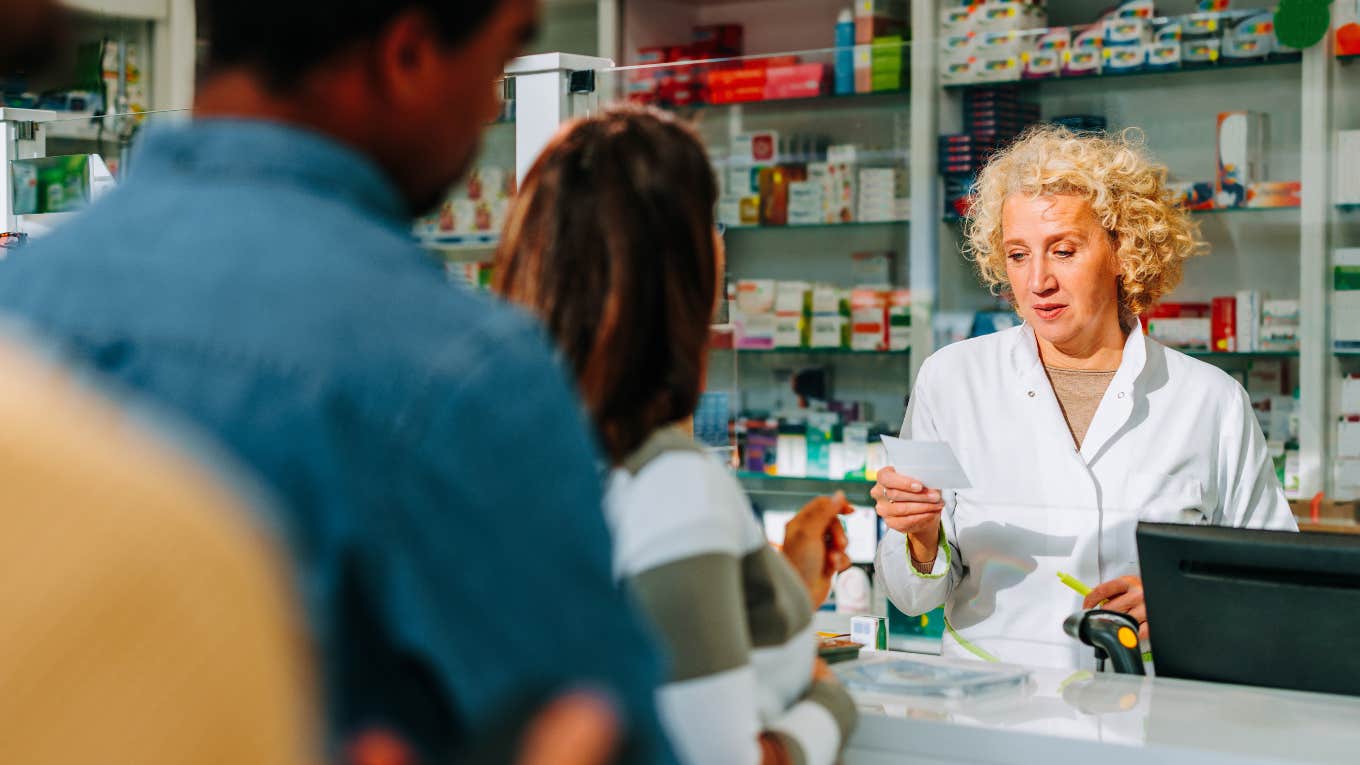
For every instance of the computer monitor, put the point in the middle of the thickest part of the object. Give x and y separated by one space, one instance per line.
1267 608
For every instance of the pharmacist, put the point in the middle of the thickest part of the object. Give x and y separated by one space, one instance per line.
1073 427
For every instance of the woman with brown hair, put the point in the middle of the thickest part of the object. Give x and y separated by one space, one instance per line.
611 242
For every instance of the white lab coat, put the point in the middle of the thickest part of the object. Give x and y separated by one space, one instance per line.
1174 440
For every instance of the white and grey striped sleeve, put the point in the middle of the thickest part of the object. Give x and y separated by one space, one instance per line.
715 606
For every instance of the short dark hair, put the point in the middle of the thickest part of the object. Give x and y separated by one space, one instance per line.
611 243
283 40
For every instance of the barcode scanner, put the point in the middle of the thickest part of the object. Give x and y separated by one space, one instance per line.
1112 634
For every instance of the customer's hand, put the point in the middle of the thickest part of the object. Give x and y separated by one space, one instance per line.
821 672
815 542
1125 595
908 506
579 728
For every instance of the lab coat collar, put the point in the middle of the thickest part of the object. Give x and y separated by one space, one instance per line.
1117 405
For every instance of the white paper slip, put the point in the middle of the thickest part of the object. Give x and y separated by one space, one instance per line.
931 462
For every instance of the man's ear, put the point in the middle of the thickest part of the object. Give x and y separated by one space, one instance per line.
406 55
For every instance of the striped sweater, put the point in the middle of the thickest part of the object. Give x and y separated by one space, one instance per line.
731 611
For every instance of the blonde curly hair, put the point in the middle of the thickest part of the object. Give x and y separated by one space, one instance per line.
1127 192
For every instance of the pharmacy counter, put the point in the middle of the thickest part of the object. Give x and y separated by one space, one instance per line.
1106 719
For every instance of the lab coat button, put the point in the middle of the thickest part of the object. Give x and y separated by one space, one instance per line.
1031 394
1121 394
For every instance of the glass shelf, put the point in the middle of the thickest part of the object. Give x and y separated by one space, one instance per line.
1202 354
1241 209
746 475
807 226
1222 65
460 242
823 100
1213 211
814 351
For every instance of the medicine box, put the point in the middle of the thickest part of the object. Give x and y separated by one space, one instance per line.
826 331
1346 299
1350 395
1241 155
755 296
758 148
1347 167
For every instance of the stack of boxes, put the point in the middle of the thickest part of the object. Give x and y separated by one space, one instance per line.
1243 323
1002 41
1279 326
769 79
880 54
882 195
753 314
1347 467
1346 300
764 186
993 116
880 320
827 324
838 181
683 84
1347 170
986 42
1184 326
775 315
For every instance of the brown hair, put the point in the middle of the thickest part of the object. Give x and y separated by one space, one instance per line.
611 243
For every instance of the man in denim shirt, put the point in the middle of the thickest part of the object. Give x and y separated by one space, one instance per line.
255 273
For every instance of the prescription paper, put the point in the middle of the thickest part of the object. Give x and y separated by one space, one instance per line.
931 462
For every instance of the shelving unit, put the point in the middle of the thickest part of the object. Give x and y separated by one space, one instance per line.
1275 249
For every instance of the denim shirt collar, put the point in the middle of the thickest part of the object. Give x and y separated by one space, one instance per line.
243 149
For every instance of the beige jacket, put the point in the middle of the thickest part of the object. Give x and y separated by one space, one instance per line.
142 620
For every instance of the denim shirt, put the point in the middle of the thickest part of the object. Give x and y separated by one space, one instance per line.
437 478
